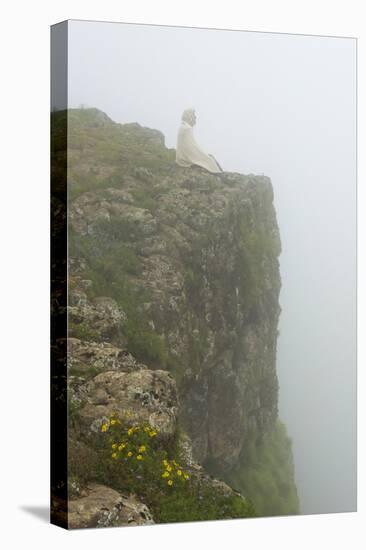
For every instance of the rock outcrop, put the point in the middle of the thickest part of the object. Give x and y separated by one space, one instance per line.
101 506
148 396
86 357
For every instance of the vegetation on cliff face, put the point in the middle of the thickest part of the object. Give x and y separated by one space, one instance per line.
133 458
265 473
179 268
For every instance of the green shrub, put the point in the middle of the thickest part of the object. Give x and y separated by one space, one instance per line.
82 331
145 198
200 502
145 345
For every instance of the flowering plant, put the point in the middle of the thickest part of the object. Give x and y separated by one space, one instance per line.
137 451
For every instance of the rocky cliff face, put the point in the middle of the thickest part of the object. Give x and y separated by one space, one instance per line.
199 255
174 270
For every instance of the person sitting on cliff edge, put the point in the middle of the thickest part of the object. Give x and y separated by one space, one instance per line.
188 151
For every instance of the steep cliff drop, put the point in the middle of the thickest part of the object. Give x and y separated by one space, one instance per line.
173 309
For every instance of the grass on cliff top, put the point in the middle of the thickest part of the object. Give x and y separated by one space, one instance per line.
102 153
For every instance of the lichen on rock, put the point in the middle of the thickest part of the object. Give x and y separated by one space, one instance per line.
148 396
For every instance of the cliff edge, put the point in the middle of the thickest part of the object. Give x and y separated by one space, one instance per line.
177 269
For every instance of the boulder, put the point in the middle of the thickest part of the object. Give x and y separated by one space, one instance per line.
148 397
101 506
85 357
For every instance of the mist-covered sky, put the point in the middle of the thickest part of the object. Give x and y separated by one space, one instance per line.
283 106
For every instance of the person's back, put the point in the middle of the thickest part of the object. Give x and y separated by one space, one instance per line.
188 151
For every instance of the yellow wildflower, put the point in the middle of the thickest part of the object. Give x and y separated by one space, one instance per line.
165 462
140 457
113 421
114 455
169 468
122 446
179 472
186 476
170 482
130 431
104 427
165 474
114 446
142 449
129 453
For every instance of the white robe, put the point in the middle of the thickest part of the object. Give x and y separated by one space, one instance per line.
189 152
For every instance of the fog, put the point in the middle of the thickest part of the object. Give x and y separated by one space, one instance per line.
283 106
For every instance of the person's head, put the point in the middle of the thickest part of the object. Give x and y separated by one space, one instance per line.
189 116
